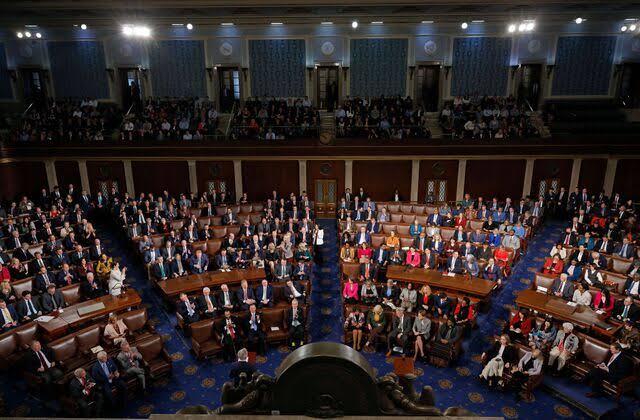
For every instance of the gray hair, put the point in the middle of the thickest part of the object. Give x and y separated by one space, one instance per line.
243 354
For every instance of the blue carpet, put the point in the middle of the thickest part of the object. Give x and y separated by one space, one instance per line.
196 382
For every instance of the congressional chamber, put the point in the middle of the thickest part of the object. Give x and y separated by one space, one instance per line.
320 209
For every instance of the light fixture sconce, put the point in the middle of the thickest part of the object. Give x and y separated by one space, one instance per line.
245 73
447 69
412 69
550 68
345 69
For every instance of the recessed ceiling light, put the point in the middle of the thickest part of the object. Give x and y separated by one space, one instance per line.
530 26
177 24
326 23
464 25
38 35
477 21
631 19
522 27
578 20
27 34
632 27
276 23
512 28
19 34
354 24
189 26
227 24
377 22
31 26
427 21
624 28
83 27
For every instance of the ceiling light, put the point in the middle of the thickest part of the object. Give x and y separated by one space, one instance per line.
578 20
624 28
530 26
19 34
632 27
354 24
512 28
477 21
142 31
427 21
326 23
31 26
630 19
189 26
127 30
83 27
227 24
522 27
177 24
27 34
464 25
377 22
276 23
38 35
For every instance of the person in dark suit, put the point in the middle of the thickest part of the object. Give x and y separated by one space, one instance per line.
91 288
400 331
264 295
390 295
199 262
625 309
106 374
569 238
442 305
301 272
28 308
38 262
253 331
242 366
8 316
226 299
625 249
245 296
43 279
230 335
83 390
368 271
65 276
187 309
604 245
59 258
224 261
454 263
296 324
562 287
52 300
632 286
207 304
39 361
283 270
23 254
428 259
616 368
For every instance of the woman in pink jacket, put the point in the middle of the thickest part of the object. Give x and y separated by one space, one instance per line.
413 258
350 292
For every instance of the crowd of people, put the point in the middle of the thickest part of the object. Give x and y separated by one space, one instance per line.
268 118
381 117
486 117
599 227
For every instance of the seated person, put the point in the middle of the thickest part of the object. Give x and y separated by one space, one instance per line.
492 271
520 325
442 305
408 297
52 300
368 271
629 337
543 335
376 325
527 375
244 296
445 342
392 241
186 307
604 302
564 347
471 266
614 369
502 355
226 299
27 308
301 271
626 310
355 324
350 292
558 250
562 287
593 276
115 330
400 332
364 252
501 256
581 295
8 316
573 270
632 286
422 332
463 314
553 266
302 253
264 295
347 253
295 291
454 264
412 258
224 262
369 293
390 295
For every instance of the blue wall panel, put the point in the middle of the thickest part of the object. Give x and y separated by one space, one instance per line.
583 65
177 68
78 69
480 65
277 67
378 67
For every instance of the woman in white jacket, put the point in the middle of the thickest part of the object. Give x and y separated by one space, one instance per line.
116 279
318 242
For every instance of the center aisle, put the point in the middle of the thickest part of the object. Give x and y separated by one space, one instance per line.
200 382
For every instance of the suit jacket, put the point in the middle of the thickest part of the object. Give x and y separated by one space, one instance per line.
240 296
61 278
573 239
58 260
32 361
48 300
259 291
16 317
430 263
633 313
567 293
360 236
372 270
232 299
300 315
376 256
34 266
283 272
426 242
98 373
457 265
404 325
435 219
41 284
157 270
628 252
241 367
608 248
219 263
288 293
509 355
620 368
301 273
204 263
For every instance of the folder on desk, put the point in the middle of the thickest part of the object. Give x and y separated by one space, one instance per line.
90 308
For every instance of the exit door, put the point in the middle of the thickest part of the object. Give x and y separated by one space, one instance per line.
130 88
228 87
325 198
529 88
428 87
327 87
33 86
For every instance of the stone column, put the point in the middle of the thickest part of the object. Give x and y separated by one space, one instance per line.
415 179
462 171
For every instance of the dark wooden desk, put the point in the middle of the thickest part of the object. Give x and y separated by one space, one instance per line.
171 288
581 316
69 319
470 286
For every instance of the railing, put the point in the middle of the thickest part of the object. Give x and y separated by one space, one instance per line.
415 131
286 131
231 114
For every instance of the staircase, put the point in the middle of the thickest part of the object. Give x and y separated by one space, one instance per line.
538 123
433 124
327 132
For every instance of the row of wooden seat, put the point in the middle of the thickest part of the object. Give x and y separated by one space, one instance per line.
614 263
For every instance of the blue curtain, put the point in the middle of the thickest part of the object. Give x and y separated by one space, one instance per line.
177 68
5 81
378 67
78 69
480 65
583 65
277 67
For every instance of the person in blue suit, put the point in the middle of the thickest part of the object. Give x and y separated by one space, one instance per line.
105 372
573 270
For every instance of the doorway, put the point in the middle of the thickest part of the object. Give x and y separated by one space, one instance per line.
130 88
530 82
630 85
34 88
228 87
327 81
428 87
325 198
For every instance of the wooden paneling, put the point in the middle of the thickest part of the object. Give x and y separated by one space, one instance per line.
548 169
68 172
160 175
20 178
106 171
438 169
500 178
626 181
259 178
214 171
380 178
325 169
592 174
